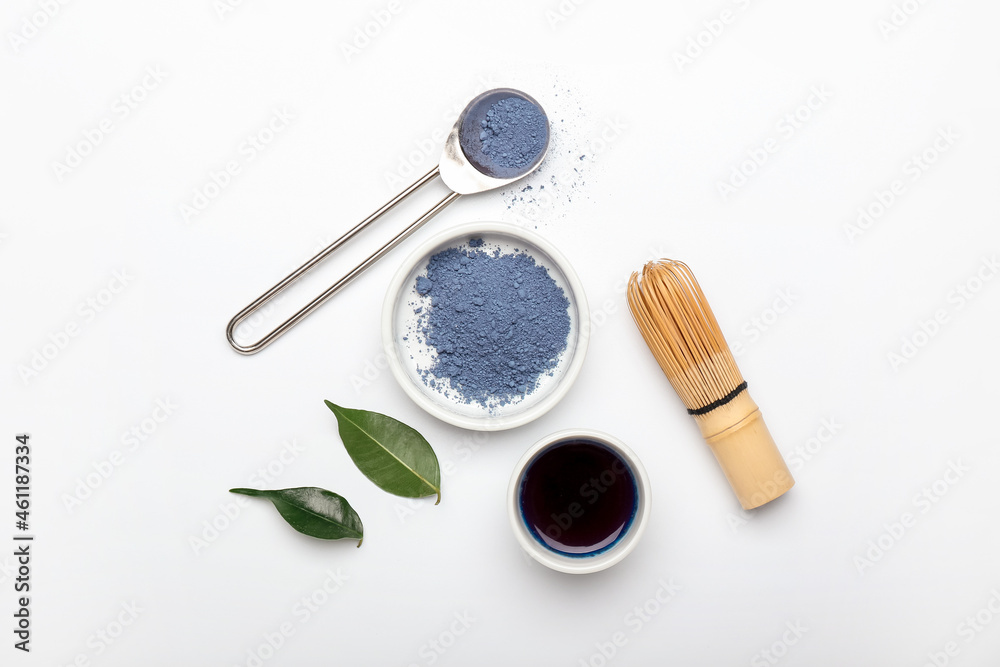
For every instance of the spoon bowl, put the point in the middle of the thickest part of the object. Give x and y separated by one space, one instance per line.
465 168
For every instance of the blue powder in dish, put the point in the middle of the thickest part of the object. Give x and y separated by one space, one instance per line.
496 322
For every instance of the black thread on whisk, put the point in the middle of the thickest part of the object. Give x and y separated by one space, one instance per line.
722 401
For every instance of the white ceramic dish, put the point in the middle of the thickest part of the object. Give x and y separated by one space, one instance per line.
408 354
581 564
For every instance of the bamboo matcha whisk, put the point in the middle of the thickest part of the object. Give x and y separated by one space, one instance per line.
674 317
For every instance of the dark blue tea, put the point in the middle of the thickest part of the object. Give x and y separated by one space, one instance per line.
578 497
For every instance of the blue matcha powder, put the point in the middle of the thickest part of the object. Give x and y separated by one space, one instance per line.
496 322
513 133
504 136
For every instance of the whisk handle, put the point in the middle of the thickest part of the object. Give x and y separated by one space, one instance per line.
739 439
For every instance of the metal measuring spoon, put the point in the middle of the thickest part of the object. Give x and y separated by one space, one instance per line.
465 167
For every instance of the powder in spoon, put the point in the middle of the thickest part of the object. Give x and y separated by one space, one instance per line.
504 135
497 322
513 133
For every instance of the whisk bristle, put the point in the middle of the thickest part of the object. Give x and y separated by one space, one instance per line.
680 329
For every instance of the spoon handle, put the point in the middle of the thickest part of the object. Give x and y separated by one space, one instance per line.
253 348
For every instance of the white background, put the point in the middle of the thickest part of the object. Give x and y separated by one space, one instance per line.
672 132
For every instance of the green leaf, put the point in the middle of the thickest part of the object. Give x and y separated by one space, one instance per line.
313 511
390 453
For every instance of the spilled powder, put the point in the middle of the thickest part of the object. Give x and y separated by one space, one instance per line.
496 322
549 192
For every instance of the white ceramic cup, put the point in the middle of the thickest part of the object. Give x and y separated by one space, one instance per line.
583 563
